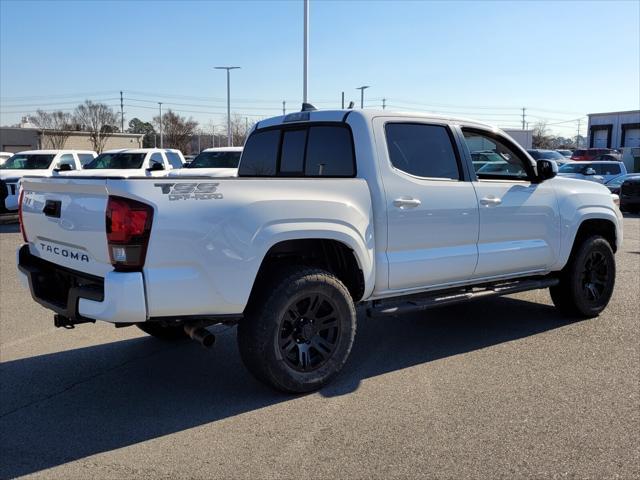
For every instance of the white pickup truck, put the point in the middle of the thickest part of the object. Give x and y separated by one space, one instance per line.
212 162
330 209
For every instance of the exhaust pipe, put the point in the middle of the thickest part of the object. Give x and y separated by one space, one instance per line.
201 335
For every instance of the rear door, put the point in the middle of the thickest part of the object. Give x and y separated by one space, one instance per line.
432 212
64 220
519 221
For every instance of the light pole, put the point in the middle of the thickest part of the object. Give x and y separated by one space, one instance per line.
362 89
228 69
305 55
160 108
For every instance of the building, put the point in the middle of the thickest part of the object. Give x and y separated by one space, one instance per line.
523 137
614 129
16 139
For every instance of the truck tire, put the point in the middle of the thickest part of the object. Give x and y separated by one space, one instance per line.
587 281
163 331
298 330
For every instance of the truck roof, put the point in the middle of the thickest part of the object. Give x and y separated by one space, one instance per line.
52 152
223 149
368 114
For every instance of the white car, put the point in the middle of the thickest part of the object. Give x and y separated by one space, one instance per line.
4 156
42 163
330 210
212 162
133 162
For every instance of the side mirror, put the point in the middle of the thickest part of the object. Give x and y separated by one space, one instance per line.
546 169
589 171
155 166
64 167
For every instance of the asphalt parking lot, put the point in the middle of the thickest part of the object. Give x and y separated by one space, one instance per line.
499 388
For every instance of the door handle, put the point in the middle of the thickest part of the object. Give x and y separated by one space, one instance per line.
490 201
406 202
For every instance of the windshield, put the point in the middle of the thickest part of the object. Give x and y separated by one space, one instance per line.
116 160
34 161
216 160
574 167
545 154
486 157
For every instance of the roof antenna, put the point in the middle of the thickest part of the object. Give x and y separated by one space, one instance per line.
307 107
351 105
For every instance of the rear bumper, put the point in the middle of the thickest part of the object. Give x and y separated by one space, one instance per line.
118 297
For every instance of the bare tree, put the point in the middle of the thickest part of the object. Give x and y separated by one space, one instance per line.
541 137
240 128
56 127
98 119
177 130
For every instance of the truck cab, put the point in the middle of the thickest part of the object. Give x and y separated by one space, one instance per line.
155 162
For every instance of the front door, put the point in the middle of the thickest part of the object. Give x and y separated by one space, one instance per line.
519 221
432 212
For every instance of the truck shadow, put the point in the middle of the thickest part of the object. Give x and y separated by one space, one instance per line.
66 406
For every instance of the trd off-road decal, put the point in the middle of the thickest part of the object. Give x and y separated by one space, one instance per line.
190 191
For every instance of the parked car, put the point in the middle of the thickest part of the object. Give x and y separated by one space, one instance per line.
539 153
585 154
565 153
608 157
212 162
332 209
614 184
133 162
630 195
4 156
38 163
600 172
481 158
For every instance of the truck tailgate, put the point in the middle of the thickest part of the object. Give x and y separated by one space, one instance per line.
64 221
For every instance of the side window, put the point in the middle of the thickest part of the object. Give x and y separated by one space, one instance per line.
422 150
174 159
610 169
329 152
506 163
67 159
156 158
260 154
85 158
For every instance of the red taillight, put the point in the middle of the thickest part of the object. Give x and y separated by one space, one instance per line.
128 230
22 230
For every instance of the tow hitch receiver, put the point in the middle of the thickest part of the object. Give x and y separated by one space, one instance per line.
68 323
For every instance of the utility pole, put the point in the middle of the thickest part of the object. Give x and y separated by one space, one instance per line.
228 69
305 64
199 148
213 135
523 121
362 89
161 139
384 103
284 110
121 113
342 100
246 128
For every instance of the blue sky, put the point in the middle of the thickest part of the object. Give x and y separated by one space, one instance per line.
486 60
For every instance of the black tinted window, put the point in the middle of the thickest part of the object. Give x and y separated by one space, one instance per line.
511 165
85 158
117 161
260 154
422 150
329 152
292 156
610 169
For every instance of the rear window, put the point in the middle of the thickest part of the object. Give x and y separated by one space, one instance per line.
215 160
307 151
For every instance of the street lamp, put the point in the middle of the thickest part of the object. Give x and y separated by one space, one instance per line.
228 69
362 89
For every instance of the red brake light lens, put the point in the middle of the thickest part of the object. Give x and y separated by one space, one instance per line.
128 229
22 230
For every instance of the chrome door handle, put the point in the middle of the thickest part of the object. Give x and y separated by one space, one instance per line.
406 202
489 201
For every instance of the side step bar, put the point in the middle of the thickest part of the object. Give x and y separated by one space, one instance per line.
415 303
